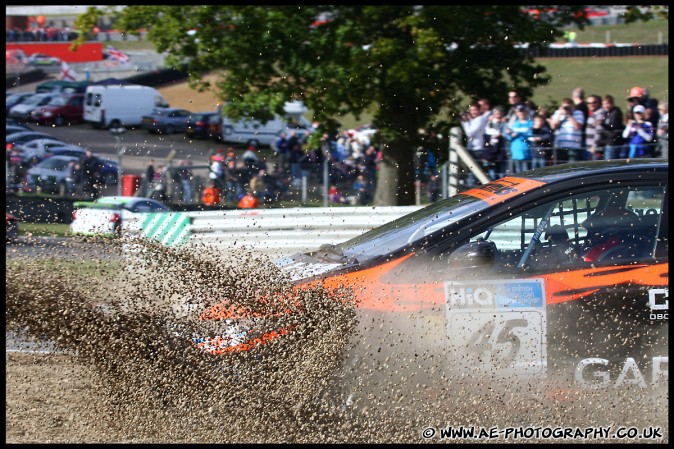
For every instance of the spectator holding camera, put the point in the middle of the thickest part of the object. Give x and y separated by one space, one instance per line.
474 123
639 134
567 125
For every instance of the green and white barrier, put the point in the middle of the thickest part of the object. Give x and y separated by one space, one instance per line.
169 228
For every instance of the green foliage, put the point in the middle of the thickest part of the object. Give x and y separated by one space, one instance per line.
407 66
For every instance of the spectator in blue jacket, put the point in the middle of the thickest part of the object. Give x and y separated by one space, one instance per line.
639 134
519 133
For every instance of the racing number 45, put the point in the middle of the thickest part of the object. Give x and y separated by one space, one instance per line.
483 341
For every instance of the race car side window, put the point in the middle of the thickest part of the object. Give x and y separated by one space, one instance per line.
608 226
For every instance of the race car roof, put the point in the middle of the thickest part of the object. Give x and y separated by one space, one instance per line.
572 170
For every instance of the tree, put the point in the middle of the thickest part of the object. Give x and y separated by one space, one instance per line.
409 66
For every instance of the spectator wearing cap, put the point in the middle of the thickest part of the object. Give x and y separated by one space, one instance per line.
639 96
249 153
639 134
567 124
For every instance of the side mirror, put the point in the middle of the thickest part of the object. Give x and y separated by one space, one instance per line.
474 254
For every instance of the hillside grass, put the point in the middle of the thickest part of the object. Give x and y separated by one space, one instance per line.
653 32
600 76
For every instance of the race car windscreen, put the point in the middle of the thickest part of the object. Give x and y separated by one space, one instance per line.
410 228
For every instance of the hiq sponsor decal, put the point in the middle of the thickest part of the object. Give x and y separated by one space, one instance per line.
658 301
497 326
495 294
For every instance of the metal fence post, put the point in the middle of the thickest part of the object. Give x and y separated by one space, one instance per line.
326 180
454 141
417 192
445 172
304 188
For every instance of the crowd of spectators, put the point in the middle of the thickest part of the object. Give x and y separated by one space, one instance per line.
526 136
503 141
348 163
49 33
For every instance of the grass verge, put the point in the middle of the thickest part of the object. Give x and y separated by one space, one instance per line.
44 229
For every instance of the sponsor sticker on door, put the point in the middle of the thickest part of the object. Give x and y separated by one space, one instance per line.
497 326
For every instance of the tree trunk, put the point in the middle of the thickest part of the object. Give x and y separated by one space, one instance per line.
387 183
395 182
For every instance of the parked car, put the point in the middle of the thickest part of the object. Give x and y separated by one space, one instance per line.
39 147
49 175
11 228
16 98
198 124
166 121
11 122
62 110
109 167
20 137
23 110
215 127
111 215
62 87
11 129
42 59
557 275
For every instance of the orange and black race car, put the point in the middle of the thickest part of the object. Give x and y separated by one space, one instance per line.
556 271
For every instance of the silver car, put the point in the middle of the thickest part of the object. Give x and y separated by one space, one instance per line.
49 175
22 110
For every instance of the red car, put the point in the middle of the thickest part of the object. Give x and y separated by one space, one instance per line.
61 110
12 228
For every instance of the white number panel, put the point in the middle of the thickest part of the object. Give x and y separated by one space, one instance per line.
497 327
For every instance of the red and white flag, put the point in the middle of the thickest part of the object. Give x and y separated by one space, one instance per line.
67 73
116 55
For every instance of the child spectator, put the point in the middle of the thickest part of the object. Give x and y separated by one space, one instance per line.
335 196
639 134
540 142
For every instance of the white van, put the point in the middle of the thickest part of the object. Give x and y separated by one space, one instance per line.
253 132
118 106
